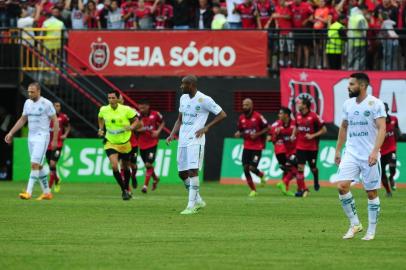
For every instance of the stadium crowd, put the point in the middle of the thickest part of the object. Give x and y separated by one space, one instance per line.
314 33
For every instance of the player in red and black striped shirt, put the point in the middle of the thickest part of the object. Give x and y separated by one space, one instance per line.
252 127
281 133
388 151
309 128
148 137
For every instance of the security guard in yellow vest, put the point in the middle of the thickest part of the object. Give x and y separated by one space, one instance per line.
357 38
335 43
119 121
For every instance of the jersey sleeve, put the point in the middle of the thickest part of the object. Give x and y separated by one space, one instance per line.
379 110
25 108
101 112
344 114
130 113
211 106
50 109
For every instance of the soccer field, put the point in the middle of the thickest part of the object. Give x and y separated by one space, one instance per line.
88 226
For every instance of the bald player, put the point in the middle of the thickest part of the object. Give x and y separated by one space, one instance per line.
253 128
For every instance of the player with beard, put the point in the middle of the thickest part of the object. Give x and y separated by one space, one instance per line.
194 109
285 148
388 152
362 129
309 128
252 127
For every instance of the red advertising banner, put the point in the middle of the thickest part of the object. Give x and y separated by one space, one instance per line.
171 53
328 90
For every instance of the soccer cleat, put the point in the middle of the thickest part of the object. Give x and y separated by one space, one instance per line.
144 189
352 231
302 193
24 195
368 237
290 194
200 205
189 211
392 184
57 186
388 194
155 184
126 195
253 193
45 196
282 187
263 180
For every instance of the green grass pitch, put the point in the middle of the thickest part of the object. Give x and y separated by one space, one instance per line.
88 226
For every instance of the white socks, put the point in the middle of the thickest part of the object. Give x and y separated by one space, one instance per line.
43 181
193 191
34 175
374 206
348 203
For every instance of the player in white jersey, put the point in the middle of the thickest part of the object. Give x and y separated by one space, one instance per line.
38 111
363 129
193 112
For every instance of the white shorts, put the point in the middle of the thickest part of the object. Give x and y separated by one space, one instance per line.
37 146
358 170
190 157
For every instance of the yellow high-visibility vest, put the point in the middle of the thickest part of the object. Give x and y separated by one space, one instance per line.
334 43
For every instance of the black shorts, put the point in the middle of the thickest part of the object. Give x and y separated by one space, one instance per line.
121 156
53 155
148 155
134 155
251 157
304 156
389 158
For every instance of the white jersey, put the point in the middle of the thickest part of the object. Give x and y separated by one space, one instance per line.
195 112
362 131
38 114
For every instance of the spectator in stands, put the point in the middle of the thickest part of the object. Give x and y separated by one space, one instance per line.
233 19
53 29
143 16
390 42
128 8
45 9
3 14
104 13
115 17
92 16
163 13
13 11
248 14
336 35
283 21
181 15
302 21
77 15
219 19
388 8
265 9
321 18
26 21
203 15
357 39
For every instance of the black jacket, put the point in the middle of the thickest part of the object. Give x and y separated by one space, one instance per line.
207 18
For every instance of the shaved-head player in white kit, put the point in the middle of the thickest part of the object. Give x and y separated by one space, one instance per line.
194 108
38 111
363 129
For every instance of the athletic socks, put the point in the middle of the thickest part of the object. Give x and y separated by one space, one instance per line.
348 204
148 175
385 182
315 172
193 191
127 175
34 175
374 207
249 180
300 181
119 179
257 172
43 181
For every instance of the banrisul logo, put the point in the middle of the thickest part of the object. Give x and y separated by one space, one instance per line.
66 162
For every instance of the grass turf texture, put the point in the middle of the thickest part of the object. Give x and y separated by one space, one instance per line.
88 226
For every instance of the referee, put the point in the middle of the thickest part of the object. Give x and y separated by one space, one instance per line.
118 120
